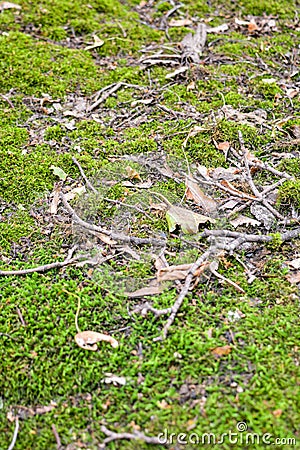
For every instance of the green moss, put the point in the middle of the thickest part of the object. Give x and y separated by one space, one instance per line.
50 69
289 194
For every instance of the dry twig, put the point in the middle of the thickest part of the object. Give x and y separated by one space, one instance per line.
136 435
56 265
56 435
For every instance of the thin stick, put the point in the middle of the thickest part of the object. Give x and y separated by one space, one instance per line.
249 177
56 435
111 89
78 308
21 317
15 435
56 265
87 182
136 435
226 280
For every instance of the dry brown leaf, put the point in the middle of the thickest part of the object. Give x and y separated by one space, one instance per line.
294 278
146 291
180 22
8 5
170 273
88 340
55 201
178 272
221 351
220 173
176 72
106 239
132 174
244 220
229 186
224 146
186 219
96 44
295 263
218 29
142 185
163 404
252 27
114 379
277 412
197 195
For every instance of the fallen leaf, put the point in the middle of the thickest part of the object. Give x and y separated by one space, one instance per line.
143 292
163 404
114 379
294 278
224 146
277 412
143 185
218 29
178 272
197 195
180 22
220 173
88 340
97 43
8 5
229 186
191 424
132 174
252 26
55 201
244 220
74 192
59 172
221 351
170 273
186 219
295 263
176 72
241 22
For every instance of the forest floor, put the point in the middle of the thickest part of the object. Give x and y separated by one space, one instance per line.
150 153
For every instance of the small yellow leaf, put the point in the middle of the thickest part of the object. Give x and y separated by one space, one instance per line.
221 351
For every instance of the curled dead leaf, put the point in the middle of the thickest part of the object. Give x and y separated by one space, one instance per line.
195 193
221 351
88 340
132 174
186 219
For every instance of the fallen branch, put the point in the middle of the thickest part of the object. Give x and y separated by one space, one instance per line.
136 435
114 236
56 265
184 291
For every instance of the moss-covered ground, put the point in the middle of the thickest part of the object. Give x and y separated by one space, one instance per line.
179 384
